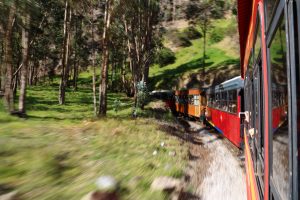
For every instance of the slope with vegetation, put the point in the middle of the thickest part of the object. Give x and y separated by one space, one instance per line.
221 55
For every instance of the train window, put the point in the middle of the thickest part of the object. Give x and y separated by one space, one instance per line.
280 139
218 98
232 101
223 100
250 67
257 46
270 6
196 100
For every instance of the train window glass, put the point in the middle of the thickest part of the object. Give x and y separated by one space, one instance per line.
250 67
257 46
196 100
217 100
280 140
209 100
232 101
223 101
270 6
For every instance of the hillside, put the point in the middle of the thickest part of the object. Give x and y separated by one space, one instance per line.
222 57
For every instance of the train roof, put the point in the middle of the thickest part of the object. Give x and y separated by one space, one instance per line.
192 91
234 83
162 91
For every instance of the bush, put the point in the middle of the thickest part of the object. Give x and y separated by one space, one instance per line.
217 35
178 39
165 56
183 40
192 33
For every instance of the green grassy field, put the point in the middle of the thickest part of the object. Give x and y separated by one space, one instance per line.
59 151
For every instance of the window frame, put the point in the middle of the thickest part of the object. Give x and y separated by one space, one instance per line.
283 10
293 7
257 144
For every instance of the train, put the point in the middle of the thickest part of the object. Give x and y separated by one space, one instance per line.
259 111
269 54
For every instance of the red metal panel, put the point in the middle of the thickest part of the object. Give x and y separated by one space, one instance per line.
244 19
278 116
227 123
252 189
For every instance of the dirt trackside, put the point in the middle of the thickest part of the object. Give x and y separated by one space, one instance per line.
214 170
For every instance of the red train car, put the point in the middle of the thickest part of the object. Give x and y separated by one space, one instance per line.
223 109
269 50
190 102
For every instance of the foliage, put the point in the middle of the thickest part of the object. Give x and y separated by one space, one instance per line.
142 94
192 33
217 35
116 105
178 39
165 56
183 40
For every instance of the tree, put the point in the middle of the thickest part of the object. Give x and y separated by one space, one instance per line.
105 58
8 59
66 49
25 55
140 19
202 12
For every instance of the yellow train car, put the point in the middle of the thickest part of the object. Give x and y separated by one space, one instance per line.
190 102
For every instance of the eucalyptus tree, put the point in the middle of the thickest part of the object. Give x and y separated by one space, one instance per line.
7 65
109 8
140 18
202 12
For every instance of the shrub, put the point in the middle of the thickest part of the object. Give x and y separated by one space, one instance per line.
216 35
192 33
183 40
165 56
178 39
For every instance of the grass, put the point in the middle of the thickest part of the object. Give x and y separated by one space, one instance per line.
59 151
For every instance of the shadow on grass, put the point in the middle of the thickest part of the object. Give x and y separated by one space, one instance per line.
169 78
214 75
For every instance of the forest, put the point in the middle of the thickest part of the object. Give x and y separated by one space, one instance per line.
43 41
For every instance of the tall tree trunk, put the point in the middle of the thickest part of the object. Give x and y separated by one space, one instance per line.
75 66
204 48
174 11
24 69
123 71
65 59
94 66
2 71
8 60
105 61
